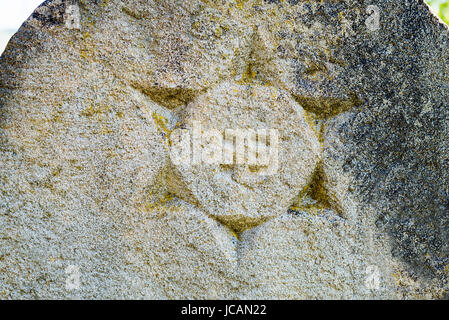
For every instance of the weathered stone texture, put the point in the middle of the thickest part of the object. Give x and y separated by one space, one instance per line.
87 180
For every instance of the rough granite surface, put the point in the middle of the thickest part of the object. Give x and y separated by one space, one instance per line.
358 208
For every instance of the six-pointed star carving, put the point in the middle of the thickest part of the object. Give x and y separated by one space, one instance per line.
237 195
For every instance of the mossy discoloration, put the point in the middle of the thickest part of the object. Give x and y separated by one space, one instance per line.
88 47
317 125
156 196
249 76
240 4
162 126
235 235
133 13
158 200
95 109
314 198
326 108
170 97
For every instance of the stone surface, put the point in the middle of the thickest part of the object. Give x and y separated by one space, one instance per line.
357 210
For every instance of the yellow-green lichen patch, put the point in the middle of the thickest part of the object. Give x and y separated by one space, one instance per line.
157 200
95 109
317 125
156 196
133 13
87 47
326 107
248 76
235 235
314 198
161 124
240 4
170 97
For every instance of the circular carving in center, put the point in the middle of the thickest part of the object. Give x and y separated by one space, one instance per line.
249 153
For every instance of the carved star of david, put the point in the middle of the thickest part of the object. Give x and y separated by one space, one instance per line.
229 196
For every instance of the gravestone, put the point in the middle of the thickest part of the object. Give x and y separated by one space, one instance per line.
350 97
